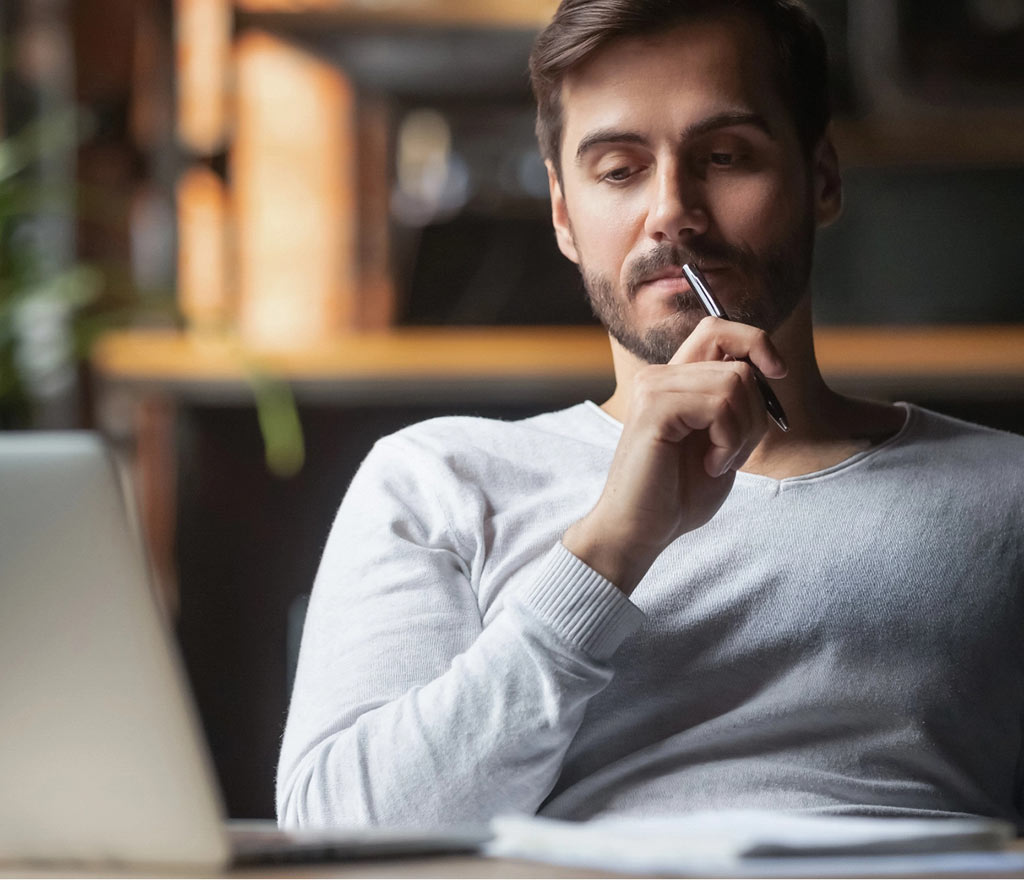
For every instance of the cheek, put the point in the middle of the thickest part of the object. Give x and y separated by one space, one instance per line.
759 211
604 231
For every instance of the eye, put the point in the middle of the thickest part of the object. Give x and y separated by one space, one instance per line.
722 159
618 175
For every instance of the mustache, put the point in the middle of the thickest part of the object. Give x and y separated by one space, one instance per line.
664 256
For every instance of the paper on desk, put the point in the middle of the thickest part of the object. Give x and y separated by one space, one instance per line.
735 840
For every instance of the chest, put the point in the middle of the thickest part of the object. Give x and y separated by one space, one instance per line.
922 586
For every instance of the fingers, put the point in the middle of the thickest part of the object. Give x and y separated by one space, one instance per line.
690 425
719 398
714 339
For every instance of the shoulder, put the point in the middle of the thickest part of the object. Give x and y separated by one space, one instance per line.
458 438
928 426
980 453
460 470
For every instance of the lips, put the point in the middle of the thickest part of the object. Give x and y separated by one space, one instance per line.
670 287
667 272
673 272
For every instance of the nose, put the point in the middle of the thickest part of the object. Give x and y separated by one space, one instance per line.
676 211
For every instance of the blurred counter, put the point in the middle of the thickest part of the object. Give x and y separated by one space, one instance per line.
523 364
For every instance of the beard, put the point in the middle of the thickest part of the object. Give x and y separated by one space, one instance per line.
774 283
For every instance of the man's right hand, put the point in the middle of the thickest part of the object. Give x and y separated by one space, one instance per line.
690 425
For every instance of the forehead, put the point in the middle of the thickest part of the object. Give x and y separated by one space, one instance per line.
670 80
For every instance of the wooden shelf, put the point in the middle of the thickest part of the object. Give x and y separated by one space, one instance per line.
489 13
398 366
407 353
975 360
959 136
991 351
945 362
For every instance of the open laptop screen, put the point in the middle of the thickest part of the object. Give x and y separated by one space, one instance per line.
100 750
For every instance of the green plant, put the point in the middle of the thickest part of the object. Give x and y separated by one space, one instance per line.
38 300
44 325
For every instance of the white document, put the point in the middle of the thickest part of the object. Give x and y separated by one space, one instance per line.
738 842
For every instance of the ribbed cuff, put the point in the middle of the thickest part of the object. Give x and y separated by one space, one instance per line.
584 608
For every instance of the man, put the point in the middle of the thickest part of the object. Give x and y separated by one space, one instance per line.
663 604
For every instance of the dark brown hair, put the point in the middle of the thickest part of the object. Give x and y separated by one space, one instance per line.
581 28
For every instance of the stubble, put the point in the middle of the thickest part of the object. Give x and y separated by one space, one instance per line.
773 284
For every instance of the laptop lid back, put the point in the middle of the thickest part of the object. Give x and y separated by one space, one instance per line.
101 757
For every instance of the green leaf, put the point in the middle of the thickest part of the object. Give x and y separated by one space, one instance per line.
284 446
57 131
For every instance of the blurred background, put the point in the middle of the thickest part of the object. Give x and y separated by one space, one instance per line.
245 239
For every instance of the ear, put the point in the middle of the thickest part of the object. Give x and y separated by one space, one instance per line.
560 216
828 183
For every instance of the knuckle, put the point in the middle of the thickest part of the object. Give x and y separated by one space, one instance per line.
741 369
762 342
739 377
723 409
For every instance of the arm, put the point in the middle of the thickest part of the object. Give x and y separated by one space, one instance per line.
407 710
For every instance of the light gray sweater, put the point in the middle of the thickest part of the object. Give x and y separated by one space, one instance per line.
850 640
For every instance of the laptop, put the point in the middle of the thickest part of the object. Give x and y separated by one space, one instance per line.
102 759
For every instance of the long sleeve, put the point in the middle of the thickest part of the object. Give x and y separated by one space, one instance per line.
407 708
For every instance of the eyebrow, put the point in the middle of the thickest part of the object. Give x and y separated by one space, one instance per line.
712 123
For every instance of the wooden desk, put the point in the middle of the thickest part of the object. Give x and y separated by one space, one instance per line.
440 866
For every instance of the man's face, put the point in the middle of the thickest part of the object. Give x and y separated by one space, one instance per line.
677 148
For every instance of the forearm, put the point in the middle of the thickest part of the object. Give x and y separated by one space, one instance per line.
487 736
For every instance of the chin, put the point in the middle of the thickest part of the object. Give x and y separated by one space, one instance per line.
677 326
658 343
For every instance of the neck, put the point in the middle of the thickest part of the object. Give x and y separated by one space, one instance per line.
825 427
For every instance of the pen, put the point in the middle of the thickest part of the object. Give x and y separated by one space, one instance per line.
713 307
